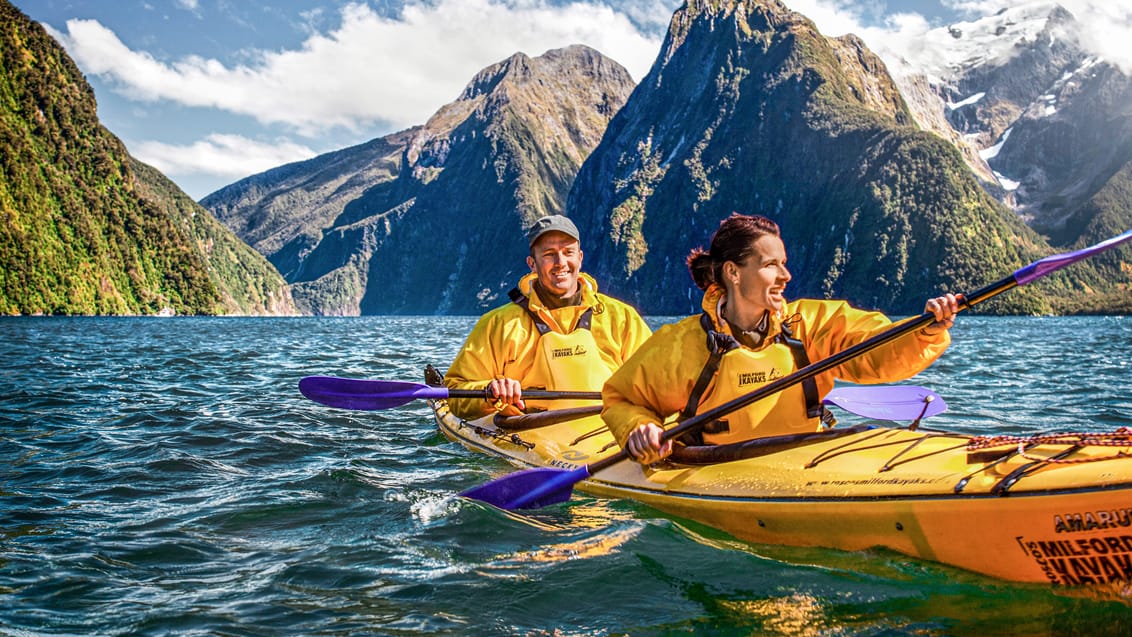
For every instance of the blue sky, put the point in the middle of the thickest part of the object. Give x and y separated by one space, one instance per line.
211 91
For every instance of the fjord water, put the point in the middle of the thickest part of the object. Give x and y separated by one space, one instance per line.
165 477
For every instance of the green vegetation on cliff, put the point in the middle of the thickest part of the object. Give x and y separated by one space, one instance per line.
84 229
244 279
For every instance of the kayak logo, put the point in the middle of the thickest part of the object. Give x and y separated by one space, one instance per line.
757 378
562 352
1091 520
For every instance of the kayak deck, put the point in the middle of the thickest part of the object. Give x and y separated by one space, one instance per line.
1056 511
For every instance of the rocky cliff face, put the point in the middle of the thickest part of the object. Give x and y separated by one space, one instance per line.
749 108
1051 121
431 219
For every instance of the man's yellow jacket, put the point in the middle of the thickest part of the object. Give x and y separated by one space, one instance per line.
506 343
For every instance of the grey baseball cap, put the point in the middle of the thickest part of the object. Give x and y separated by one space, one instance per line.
552 223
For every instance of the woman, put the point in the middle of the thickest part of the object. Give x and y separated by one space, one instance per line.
750 335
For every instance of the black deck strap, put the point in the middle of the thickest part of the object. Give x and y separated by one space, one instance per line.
1002 487
814 406
712 454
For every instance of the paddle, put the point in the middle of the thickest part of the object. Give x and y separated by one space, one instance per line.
533 488
355 393
887 402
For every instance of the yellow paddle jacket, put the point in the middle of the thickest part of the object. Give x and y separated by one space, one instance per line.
655 384
505 343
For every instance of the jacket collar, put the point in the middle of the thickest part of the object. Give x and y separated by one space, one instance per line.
588 284
715 297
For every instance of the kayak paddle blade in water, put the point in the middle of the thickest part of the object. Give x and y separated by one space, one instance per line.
529 488
352 393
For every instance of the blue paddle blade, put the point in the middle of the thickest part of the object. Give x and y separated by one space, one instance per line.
887 402
354 393
530 488
1042 267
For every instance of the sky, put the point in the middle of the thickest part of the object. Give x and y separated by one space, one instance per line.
212 91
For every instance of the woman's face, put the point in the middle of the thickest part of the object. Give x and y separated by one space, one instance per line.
759 283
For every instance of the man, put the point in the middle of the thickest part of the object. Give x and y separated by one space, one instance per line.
557 332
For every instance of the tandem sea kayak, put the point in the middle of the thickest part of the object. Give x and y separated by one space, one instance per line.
1054 508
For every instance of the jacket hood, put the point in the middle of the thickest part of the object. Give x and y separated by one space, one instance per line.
715 297
589 287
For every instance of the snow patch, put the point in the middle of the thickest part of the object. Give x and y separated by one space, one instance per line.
970 100
989 153
1007 184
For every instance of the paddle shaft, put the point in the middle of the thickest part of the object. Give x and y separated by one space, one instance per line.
532 394
809 371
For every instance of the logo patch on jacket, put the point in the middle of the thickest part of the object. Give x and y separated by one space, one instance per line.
577 350
756 378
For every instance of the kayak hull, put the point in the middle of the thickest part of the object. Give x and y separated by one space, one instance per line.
1047 514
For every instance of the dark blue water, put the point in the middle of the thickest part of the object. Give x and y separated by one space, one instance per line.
165 477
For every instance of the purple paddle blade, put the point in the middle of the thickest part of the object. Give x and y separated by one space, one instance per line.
887 402
530 488
1042 267
353 393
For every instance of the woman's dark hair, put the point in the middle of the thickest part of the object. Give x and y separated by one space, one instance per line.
732 242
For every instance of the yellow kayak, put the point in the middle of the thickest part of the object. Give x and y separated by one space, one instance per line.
1037 509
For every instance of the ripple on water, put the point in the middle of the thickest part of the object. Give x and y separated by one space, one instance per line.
167 478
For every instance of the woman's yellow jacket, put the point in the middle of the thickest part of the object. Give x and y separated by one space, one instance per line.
655 384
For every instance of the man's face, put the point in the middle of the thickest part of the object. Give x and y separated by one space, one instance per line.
557 259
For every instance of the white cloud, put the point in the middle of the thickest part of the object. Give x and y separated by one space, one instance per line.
231 156
370 69
1106 26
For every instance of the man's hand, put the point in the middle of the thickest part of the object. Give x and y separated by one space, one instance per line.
506 391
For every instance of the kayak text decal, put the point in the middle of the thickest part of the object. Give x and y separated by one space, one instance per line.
1092 520
870 481
1096 560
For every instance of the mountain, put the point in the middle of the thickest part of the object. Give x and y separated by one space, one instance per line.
87 229
1048 122
431 219
749 108
246 283
889 189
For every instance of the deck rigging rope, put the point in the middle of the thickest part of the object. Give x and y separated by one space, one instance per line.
1122 437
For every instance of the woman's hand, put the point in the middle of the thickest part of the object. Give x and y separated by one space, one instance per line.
645 444
944 308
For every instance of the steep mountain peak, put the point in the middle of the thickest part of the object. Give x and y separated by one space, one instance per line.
487 79
468 181
564 96
749 108
1041 119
